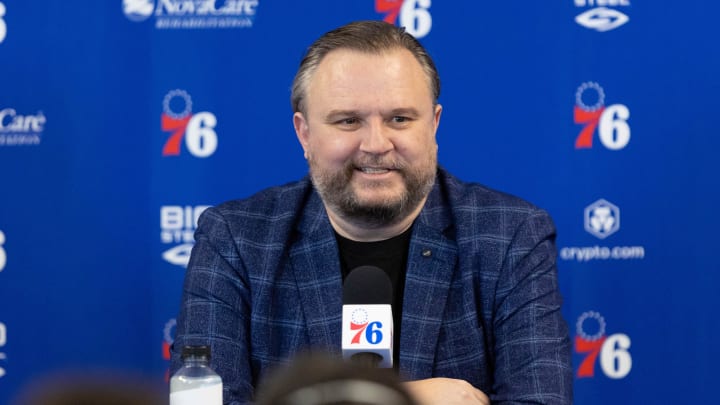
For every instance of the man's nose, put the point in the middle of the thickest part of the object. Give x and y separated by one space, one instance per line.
376 139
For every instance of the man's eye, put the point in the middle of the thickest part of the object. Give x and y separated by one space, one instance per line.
348 121
399 119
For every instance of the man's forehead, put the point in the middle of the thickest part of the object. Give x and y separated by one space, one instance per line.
369 55
349 68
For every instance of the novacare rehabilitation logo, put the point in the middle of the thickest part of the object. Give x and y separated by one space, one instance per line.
193 14
138 10
17 129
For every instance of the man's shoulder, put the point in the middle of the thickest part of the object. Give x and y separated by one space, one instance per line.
272 201
464 196
471 209
266 215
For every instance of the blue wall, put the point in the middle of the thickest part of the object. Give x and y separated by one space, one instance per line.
95 220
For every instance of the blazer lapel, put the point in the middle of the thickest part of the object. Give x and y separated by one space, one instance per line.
432 260
316 266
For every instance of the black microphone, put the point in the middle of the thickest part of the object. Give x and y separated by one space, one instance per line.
367 323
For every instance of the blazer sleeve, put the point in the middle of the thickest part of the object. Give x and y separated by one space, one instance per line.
215 307
532 346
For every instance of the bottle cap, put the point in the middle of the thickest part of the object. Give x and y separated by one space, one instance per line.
195 351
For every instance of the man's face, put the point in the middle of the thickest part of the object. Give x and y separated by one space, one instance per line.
369 135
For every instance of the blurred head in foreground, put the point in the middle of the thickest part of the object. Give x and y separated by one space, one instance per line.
322 380
97 389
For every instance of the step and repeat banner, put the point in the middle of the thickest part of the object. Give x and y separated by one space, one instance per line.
122 120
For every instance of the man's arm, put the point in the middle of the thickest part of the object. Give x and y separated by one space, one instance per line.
215 307
532 346
445 391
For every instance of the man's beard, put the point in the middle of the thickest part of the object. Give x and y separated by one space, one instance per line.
337 192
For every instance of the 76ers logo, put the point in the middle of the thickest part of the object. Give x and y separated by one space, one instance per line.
168 333
197 129
610 121
414 15
615 360
372 330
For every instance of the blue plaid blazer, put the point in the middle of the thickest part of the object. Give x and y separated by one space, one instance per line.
264 283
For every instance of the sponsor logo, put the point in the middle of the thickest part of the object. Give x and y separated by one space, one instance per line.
168 339
197 130
177 226
3 26
193 14
601 18
602 219
610 121
592 341
3 341
138 10
3 254
21 130
414 15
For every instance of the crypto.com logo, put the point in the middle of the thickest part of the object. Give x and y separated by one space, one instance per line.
611 121
138 10
414 15
590 338
3 26
601 18
197 129
602 218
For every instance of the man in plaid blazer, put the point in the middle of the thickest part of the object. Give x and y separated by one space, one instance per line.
480 318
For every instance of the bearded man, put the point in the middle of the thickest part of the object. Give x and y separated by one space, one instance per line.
473 270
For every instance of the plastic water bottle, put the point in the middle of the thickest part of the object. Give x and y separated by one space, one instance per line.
195 383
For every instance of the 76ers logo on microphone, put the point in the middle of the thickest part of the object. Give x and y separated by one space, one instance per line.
371 330
198 130
368 329
615 359
610 121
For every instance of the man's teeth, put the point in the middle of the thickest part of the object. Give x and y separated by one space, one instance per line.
372 170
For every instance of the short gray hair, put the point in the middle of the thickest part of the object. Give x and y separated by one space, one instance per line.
363 36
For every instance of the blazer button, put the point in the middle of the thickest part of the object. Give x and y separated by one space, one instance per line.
427 253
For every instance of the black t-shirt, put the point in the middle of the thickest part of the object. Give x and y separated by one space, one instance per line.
391 256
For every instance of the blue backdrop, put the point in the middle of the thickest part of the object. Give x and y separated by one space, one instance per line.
120 121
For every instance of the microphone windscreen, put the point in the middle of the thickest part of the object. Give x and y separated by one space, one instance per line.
367 285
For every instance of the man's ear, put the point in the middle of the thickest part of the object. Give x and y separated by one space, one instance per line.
438 112
301 130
